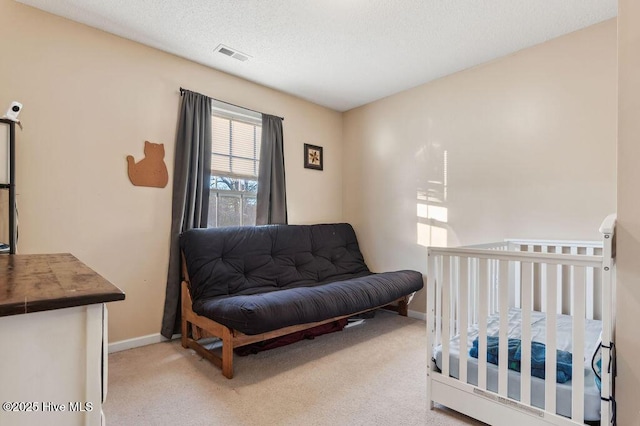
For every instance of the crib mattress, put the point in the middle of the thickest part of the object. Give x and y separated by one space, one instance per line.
538 334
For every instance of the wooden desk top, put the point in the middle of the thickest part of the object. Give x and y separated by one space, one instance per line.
42 282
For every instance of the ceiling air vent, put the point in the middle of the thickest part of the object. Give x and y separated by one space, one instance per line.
226 50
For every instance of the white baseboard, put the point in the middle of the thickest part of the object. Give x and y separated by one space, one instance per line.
417 315
136 342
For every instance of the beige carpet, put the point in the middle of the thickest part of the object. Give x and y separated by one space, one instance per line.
369 374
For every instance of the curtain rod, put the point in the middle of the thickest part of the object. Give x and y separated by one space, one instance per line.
225 102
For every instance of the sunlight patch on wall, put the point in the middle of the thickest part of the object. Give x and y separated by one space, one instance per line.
426 211
431 200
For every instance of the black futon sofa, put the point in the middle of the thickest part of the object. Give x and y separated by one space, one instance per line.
249 284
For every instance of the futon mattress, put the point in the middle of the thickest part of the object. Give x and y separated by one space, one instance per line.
263 312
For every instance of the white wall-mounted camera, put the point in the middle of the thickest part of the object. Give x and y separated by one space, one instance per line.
13 111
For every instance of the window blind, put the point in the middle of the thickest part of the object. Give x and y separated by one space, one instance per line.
236 137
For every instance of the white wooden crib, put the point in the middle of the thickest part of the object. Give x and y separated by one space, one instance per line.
558 293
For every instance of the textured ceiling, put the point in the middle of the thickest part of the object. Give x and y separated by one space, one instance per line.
337 53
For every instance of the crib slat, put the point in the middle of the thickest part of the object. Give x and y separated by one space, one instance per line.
453 262
464 318
496 286
525 363
559 282
590 273
438 273
503 373
446 334
577 308
512 280
517 279
454 295
572 250
490 288
543 281
431 315
551 359
473 280
482 323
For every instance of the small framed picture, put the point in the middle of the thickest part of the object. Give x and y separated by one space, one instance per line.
313 157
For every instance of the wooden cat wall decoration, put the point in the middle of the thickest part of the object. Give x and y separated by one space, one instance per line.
151 170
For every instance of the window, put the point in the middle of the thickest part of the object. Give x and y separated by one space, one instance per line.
235 154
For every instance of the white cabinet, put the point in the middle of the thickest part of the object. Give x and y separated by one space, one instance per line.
53 340
51 367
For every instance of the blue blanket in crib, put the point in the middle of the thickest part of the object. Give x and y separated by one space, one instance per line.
538 356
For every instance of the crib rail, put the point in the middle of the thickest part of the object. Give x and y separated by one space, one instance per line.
467 285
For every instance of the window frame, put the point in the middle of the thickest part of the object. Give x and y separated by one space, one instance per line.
234 113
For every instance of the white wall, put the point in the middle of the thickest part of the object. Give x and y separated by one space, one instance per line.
628 226
530 153
90 99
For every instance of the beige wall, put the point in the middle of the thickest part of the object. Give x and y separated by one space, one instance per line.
90 99
628 226
530 153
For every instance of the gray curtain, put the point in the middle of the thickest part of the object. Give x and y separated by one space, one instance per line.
272 198
191 176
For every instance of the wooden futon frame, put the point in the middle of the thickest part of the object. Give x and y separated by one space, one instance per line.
202 327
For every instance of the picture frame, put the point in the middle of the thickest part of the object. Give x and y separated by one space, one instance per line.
313 158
